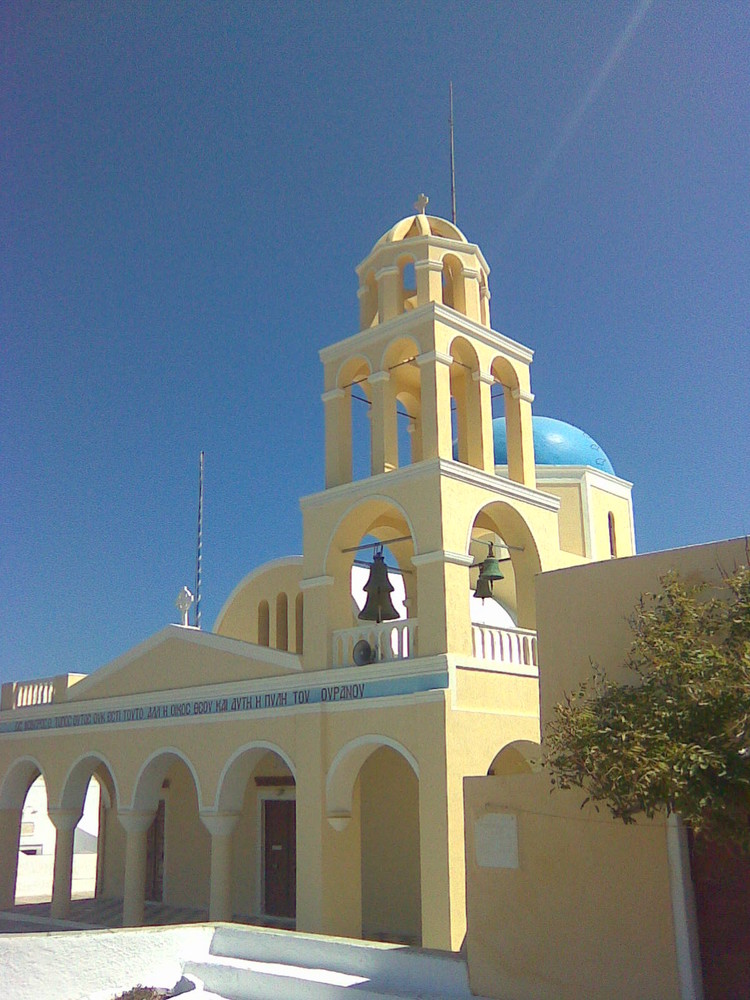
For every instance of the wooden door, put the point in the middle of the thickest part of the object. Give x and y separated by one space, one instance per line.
155 857
721 876
280 858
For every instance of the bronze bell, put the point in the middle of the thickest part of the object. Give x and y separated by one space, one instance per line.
490 567
378 606
484 588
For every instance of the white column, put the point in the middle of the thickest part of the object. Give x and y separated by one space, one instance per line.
221 827
136 826
65 821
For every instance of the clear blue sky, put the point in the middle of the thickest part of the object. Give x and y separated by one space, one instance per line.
186 189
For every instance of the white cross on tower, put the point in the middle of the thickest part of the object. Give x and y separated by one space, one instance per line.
421 203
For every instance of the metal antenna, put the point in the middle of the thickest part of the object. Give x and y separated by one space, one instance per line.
199 552
453 161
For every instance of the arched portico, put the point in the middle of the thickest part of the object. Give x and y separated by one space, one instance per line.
13 790
382 775
167 848
253 834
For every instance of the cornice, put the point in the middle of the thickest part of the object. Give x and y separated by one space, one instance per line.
402 247
498 485
437 311
457 471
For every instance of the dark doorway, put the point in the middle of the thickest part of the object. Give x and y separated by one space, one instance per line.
721 876
280 858
155 857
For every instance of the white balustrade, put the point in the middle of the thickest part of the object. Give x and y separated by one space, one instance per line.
394 640
504 645
28 693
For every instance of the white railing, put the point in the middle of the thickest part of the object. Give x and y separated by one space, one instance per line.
504 645
28 693
394 640
42 691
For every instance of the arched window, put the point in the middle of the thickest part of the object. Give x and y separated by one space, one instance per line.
454 292
263 629
299 608
368 307
612 535
483 300
407 284
282 622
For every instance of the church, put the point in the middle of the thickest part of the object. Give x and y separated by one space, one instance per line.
303 763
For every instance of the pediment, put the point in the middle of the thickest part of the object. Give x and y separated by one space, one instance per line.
183 657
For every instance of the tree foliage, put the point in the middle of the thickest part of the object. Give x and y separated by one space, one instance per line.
678 737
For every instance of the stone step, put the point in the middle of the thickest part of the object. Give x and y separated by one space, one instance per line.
312 966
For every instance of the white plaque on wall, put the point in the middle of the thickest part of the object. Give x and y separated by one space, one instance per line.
496 840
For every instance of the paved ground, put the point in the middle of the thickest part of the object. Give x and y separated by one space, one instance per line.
31 917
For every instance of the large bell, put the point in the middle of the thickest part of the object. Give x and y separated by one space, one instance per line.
378 606
490 570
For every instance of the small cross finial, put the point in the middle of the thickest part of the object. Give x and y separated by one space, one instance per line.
421 203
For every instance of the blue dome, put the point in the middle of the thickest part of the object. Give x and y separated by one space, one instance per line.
555 443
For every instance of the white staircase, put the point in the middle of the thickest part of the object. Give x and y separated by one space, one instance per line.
264 964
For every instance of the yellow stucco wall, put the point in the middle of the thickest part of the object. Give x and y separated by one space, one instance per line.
571 528
586 913
391 900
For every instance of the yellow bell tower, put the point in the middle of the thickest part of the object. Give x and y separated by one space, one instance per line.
425 350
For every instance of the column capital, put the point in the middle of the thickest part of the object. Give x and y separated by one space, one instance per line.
434 356
136 820
428 265
385 271
525 397
487 377
472 273
65 819
332 394
378 377
219 824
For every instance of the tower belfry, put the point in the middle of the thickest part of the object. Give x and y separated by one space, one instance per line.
425 350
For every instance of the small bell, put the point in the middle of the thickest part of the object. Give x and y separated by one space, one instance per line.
378 606
484 588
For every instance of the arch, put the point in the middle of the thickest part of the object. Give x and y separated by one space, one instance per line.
500 519
518 431
353 431
79 775
264 623
151 776
407 283
466 396
237 770
384 519
282 621
365 525
518 757
454 283
17 780
368 307
484 297
399 360
345 767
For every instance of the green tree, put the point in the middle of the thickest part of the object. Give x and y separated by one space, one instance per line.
677 738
